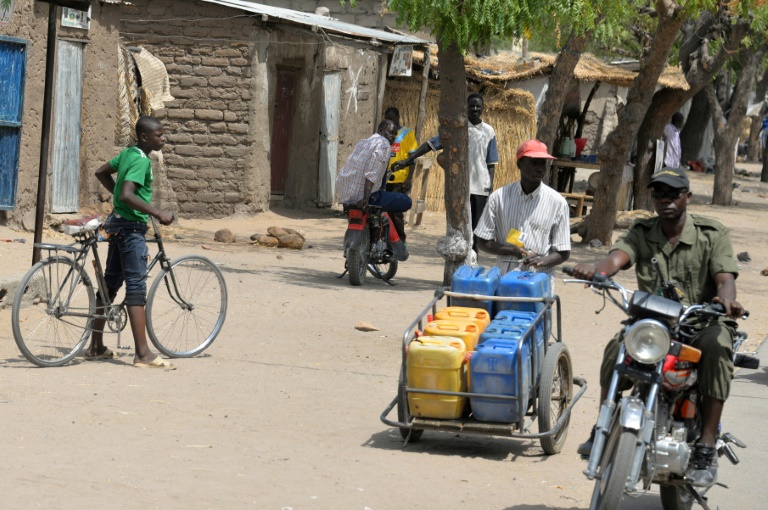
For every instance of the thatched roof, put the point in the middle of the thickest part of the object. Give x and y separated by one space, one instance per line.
508 67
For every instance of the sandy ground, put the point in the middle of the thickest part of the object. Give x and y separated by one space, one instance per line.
282 412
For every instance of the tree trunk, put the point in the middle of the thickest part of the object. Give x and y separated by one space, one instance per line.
692 135
452 116
727 129
615 151
699 68
559 83
664 104
754 137
764 173
757 122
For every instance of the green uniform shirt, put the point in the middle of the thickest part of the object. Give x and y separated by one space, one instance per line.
703 251
135 166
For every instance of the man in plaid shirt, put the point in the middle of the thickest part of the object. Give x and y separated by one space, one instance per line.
365 170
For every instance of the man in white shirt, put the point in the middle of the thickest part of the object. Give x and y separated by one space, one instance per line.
672 149
526 223
483 157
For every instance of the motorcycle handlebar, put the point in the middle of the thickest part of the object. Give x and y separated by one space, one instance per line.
597 277
719 309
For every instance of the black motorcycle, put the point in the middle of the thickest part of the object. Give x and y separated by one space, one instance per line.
646 435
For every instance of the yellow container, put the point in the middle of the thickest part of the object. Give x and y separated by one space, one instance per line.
436 363
467 330
479 316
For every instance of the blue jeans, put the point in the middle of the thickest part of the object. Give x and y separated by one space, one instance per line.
390 201
127 260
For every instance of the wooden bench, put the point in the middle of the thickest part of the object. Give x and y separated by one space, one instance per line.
578 199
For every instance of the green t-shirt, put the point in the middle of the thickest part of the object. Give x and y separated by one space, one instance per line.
135 166
704 249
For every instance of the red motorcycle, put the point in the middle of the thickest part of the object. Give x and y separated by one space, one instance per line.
371 245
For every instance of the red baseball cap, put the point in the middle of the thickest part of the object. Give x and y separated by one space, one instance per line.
533 149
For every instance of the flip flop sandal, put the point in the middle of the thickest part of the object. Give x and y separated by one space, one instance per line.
107 354
158 362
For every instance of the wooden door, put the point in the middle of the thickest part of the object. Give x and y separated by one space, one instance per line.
13 60
65 190
281 130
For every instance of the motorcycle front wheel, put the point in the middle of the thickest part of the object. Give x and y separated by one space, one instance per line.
357 258
675 497
386 270
614 469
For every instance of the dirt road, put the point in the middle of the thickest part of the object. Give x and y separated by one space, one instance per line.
283 410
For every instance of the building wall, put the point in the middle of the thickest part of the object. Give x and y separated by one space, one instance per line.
30 22
222 66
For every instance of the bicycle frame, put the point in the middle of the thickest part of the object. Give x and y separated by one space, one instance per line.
88 242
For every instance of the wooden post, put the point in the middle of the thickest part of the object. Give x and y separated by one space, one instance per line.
423 96
383 70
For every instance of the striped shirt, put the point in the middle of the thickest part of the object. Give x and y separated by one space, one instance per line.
541 216
368 161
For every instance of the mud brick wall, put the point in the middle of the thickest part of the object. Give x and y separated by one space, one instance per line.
209 155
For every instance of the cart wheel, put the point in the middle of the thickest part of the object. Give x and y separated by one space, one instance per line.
555 395
402 411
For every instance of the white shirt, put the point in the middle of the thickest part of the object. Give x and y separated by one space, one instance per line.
542 216
672 149
482 152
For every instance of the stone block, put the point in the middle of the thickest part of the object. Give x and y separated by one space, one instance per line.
241 62
180 173
230 116
207 71
191 81
200 139
215 61
224 140
218 127
181 114
222 81
238 128
213 151
178 69
178 137
188 150
188 60
228 52
209 114
236 152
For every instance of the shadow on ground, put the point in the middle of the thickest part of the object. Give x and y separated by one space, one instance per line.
461 445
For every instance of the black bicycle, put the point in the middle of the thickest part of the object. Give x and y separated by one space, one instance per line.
55 305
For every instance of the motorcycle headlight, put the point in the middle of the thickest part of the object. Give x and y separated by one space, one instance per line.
647 341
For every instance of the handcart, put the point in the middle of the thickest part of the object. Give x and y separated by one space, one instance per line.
551 400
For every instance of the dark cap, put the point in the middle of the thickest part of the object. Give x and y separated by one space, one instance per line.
673 177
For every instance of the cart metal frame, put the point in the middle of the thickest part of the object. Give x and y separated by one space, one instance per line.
411 426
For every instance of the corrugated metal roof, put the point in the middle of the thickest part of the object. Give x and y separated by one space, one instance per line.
324 22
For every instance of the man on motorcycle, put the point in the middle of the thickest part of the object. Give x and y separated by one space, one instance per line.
695 253
365 170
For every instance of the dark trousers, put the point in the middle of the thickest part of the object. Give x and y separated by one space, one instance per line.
390 202
398 218
476 207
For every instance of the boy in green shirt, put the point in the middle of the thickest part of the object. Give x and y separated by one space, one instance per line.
126 226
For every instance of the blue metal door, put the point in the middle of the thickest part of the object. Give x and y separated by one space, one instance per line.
13 63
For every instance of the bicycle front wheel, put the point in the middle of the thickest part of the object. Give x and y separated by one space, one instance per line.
53 312
186 307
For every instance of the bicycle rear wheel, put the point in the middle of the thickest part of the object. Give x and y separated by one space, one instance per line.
186 307
53 312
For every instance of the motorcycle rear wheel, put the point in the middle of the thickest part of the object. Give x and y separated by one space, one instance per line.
614 469
357 259
675 497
